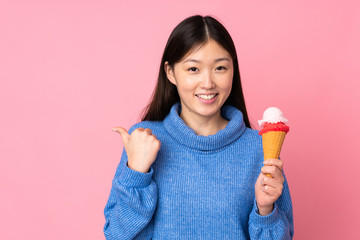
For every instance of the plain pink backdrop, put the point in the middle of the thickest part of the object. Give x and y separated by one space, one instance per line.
72 70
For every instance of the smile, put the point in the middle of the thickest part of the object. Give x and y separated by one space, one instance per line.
207 97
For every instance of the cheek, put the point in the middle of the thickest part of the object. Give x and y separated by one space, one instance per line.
225 84
186 84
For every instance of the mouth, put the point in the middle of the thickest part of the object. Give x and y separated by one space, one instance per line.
207 96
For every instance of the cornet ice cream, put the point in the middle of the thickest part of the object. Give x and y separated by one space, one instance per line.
273 132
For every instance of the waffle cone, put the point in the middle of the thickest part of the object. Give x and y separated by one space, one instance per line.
272 142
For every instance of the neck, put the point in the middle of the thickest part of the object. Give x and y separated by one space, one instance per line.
204 126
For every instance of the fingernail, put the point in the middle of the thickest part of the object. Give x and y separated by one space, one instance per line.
266 161
113 129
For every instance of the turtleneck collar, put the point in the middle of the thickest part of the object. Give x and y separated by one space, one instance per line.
185 135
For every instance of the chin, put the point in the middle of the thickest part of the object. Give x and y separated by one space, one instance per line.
208 112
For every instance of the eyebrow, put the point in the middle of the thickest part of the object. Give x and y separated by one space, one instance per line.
198 61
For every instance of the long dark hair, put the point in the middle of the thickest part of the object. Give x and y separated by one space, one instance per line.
191 32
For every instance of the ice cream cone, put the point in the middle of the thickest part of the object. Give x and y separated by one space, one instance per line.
272 143
273 133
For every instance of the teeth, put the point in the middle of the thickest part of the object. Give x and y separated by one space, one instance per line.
207 96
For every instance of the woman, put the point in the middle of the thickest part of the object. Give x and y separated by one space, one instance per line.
193 167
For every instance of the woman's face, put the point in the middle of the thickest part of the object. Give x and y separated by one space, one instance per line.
203 79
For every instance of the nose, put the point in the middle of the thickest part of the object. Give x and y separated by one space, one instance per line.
207 81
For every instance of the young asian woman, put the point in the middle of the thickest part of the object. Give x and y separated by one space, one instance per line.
193 167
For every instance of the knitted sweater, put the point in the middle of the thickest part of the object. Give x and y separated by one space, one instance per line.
199 187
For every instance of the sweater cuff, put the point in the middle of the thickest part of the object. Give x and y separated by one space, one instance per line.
132 178
264 221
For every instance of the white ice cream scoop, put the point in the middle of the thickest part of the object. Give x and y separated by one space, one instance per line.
272 115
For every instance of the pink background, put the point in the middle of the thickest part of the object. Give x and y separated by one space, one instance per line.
72 70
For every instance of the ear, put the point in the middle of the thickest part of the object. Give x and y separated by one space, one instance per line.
169 73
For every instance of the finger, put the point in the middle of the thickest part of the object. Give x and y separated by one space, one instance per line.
269 190
148 130
273 171
274 162
123 133
273 182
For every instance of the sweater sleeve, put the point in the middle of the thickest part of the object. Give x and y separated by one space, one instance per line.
132 202
278 224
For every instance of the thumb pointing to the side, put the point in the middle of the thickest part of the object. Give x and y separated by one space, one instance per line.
123 133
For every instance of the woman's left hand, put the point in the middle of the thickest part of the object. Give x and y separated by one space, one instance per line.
269 189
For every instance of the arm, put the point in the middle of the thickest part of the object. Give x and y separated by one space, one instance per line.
278 224
131 203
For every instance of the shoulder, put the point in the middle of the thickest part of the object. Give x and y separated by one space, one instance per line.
253 143
153 125
252 132
252 135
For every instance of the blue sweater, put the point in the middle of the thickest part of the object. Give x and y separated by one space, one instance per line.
199 187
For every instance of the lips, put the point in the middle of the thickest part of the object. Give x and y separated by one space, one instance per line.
206 96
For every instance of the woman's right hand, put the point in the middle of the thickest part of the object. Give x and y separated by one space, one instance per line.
141 148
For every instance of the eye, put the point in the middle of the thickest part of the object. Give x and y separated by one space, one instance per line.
192 69
221 68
